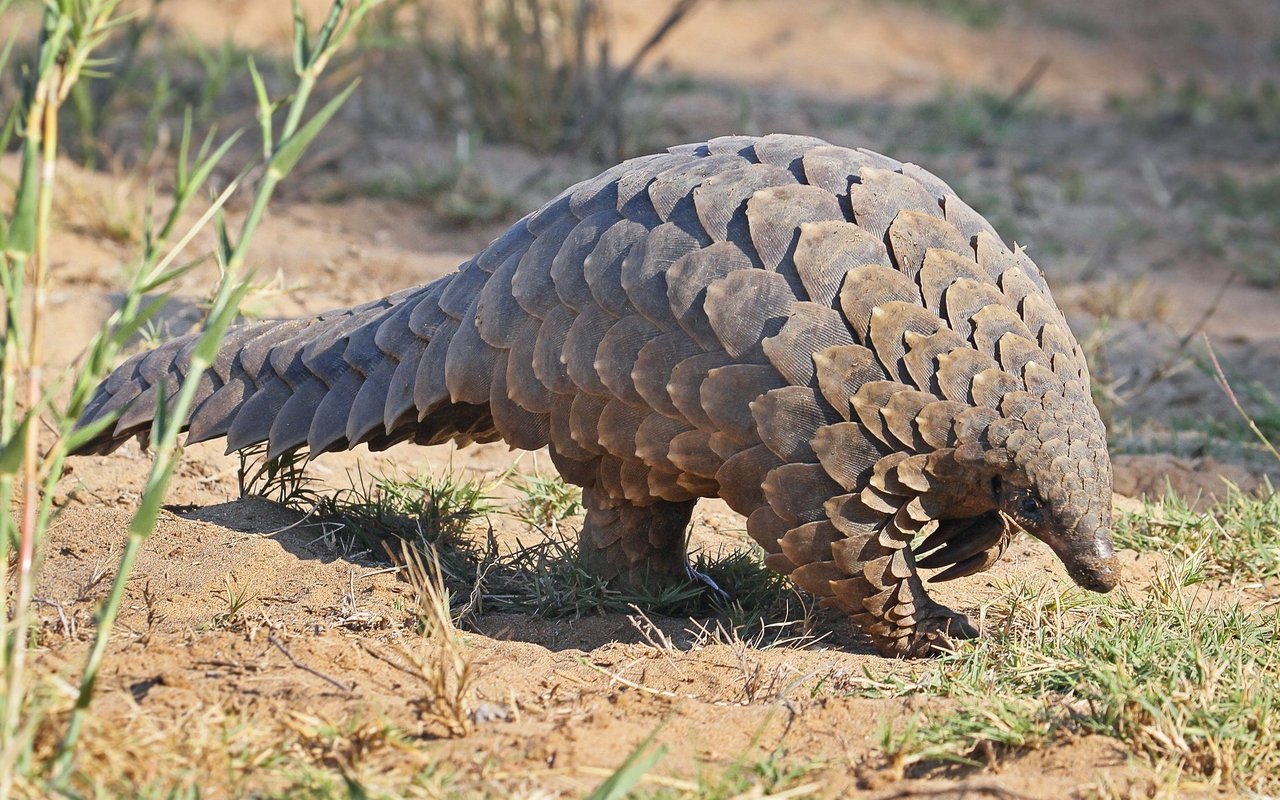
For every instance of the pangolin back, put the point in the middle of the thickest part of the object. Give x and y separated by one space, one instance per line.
828 339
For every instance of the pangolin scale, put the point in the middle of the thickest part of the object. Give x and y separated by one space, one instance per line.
828 339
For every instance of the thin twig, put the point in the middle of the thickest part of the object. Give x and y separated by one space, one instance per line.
677 13
1019 94
271 638
1208 312
639 687
1231 395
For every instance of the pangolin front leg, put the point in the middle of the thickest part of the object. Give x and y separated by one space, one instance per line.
827 339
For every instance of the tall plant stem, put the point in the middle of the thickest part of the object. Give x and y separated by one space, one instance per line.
280 158
42 130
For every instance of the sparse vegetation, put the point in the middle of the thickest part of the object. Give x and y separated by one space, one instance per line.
282 479
1192 102
1237 538
1240 221
1177 673
1235 212
438 662
958 118
537 72
234 600
546 501
458 193
379 512
547 578
31 464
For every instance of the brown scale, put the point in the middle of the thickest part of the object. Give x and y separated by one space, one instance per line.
830 341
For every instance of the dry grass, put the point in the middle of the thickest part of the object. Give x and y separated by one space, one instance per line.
439 662
541 73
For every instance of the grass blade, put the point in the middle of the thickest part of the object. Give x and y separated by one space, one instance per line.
626 777
286 157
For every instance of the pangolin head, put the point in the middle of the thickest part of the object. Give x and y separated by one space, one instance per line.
1056 483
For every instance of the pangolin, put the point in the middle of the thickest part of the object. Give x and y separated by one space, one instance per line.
829 340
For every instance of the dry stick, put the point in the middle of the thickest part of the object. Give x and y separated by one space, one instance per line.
1231 395
637 686
1170 364
277 644
1024 87
678 12
1208 312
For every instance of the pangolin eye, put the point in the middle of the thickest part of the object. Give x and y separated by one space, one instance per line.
1029 507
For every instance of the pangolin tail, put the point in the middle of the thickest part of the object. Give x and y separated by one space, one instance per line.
372 374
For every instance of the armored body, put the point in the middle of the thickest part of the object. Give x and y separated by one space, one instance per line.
828 339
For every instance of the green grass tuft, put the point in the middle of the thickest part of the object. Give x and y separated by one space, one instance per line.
546 501
549 578
1171 674
1237 538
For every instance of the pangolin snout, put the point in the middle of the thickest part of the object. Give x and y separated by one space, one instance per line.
1090 560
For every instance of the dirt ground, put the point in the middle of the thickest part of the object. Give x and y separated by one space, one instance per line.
565 701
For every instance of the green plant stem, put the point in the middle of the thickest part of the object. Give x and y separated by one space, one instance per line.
307 75
140 529
169 422
42 132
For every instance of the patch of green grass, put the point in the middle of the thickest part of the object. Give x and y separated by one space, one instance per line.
425 511
1172 673
549 578
959 119
546 500
1193 103
1238 538
283 479
552 579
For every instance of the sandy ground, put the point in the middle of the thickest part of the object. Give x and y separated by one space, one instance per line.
568 699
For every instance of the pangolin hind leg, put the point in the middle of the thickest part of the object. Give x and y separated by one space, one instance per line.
636 547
